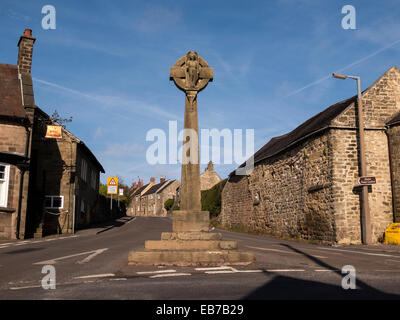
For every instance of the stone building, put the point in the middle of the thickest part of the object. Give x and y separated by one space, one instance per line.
47 185
209 177
149 199
304 183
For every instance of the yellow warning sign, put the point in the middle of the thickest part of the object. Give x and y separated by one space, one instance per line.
112 185
392 234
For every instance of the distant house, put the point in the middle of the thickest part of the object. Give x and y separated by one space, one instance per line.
47 185
148 200
209 178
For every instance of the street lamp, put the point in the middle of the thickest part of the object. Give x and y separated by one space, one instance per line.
365 214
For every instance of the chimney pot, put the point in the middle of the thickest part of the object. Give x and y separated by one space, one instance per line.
152 179
162 180
28 33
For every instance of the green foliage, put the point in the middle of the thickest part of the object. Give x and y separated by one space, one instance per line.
211 199
168 204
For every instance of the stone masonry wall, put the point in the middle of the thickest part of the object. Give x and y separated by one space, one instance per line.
394 134
289 195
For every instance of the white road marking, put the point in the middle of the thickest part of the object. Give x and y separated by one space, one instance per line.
220 271
28 287
286 270
366 253
93 254
131 220
87 259
104 275
284 251
158 271
212 268
170 275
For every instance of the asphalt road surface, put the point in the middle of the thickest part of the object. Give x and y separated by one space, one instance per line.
94 266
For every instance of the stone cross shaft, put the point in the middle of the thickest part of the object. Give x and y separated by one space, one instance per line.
191 74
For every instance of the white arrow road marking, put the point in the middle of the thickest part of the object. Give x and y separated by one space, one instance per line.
93 254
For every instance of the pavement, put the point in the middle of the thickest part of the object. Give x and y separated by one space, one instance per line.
92 264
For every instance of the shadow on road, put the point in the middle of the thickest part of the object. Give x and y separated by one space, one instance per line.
283 287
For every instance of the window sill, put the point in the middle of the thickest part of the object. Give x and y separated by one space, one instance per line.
7 210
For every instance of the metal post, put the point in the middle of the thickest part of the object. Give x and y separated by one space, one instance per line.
365 213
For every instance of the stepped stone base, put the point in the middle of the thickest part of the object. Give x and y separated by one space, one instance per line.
190 244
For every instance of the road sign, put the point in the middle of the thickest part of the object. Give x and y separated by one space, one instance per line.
121 192
112 185
366 181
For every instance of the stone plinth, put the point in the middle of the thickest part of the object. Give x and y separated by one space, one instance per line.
190 244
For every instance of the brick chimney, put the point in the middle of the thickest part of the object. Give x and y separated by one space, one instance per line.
162 180
153 180
25 45
140 184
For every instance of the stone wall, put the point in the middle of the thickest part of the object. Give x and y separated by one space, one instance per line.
13 140
394 136
289 195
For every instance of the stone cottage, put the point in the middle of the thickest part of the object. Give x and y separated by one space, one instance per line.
149 200
209 178
304 183
47 185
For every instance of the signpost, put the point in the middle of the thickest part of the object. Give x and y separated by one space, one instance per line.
366 181
112 186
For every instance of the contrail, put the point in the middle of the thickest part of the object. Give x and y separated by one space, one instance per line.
344 68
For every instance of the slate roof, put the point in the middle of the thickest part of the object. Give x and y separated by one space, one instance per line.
394 120
166 185
139 190
154 188
313 125
10 92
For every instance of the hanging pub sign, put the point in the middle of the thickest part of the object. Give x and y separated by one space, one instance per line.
54 132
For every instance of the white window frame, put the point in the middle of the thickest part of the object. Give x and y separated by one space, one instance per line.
52 200
5 181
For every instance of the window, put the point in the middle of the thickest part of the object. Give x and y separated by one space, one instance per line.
93 179
151 196
4 177
54 202
83 170
82 206
158 196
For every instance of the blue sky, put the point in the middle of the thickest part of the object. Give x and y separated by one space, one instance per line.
107 65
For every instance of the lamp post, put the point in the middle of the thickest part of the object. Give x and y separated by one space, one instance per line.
365 214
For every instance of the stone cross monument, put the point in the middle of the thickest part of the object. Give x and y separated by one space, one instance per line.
191 74
190 242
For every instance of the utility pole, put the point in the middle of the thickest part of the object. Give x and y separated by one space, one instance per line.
365 213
